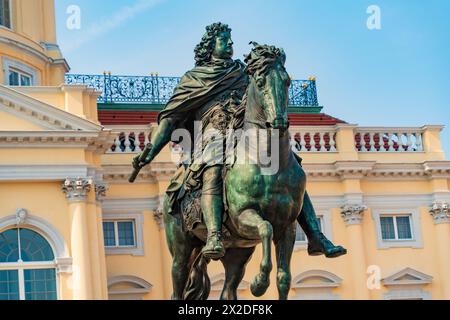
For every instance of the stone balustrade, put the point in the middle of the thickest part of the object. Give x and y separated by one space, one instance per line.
306 139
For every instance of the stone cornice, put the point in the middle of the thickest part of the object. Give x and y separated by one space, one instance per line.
370 170
119 174
43 114
96 141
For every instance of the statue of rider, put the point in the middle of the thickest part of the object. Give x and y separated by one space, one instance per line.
208 95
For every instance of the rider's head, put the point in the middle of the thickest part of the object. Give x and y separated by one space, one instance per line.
216 43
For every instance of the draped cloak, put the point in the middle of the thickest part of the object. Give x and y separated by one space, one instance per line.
200 90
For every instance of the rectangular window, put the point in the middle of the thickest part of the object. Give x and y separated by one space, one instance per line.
5 13
19 78
119 233
301 236
396 227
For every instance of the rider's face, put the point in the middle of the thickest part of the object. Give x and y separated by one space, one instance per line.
223 48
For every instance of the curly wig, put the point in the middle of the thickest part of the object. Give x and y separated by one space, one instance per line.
204 49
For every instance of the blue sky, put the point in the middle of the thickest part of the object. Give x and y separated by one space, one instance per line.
396 76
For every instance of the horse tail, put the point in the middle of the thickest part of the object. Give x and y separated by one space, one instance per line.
198 285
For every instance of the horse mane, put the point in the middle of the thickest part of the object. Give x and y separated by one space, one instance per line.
259 62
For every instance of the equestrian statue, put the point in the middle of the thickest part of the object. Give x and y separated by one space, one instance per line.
223 201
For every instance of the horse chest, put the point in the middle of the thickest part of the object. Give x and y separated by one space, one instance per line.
270 193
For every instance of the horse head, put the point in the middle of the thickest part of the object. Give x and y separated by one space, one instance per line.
269 86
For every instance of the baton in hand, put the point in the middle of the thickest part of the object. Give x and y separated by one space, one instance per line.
141 159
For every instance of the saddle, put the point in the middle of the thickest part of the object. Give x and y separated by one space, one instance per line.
192 216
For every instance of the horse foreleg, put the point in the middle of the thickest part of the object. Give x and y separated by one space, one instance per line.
234 263
283 248
251 225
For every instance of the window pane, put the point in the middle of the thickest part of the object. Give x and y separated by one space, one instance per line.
25 80
40 284
9 246
4 13
9 285
387 228
34 247
300 235
404 228
108 234
13 78
126 233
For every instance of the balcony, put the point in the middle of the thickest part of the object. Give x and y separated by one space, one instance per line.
157 90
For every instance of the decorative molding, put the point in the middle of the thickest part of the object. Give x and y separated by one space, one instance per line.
353 213
353 169
100 191
76 189
119 174
130 205
138 286
391 201
373 171
96 141
64 265
440 211
41 172
138 249
416 242
407 276
328 280
21 216
43 114
321 289
44 228
159 219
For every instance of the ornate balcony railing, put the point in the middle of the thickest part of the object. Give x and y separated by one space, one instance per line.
154 89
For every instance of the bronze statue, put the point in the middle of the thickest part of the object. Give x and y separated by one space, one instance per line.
222 93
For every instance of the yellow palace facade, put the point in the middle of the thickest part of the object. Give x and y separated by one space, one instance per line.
72 227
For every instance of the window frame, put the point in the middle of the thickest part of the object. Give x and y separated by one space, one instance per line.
138 219
21 266
116 233
10 27
394 220
415 225
10 65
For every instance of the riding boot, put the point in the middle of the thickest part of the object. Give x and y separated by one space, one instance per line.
212 207
318 244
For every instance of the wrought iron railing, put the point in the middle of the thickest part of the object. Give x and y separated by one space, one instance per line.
154 89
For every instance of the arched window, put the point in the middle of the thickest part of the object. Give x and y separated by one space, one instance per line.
27 266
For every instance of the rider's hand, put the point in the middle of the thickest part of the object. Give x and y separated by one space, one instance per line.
137 164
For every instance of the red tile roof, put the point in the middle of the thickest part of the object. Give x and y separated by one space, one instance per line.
109 117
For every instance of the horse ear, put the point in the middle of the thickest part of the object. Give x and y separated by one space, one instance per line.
254 43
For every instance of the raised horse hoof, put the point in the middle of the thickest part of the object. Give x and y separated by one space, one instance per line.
259 285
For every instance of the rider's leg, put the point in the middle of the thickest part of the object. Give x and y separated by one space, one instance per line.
318 244
212 208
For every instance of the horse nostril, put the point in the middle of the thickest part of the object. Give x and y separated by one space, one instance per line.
268 124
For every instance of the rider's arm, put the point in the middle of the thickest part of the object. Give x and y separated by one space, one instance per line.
161 137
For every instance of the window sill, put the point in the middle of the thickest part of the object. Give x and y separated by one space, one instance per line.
133 251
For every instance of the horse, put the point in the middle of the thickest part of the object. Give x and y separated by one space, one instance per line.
261 207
